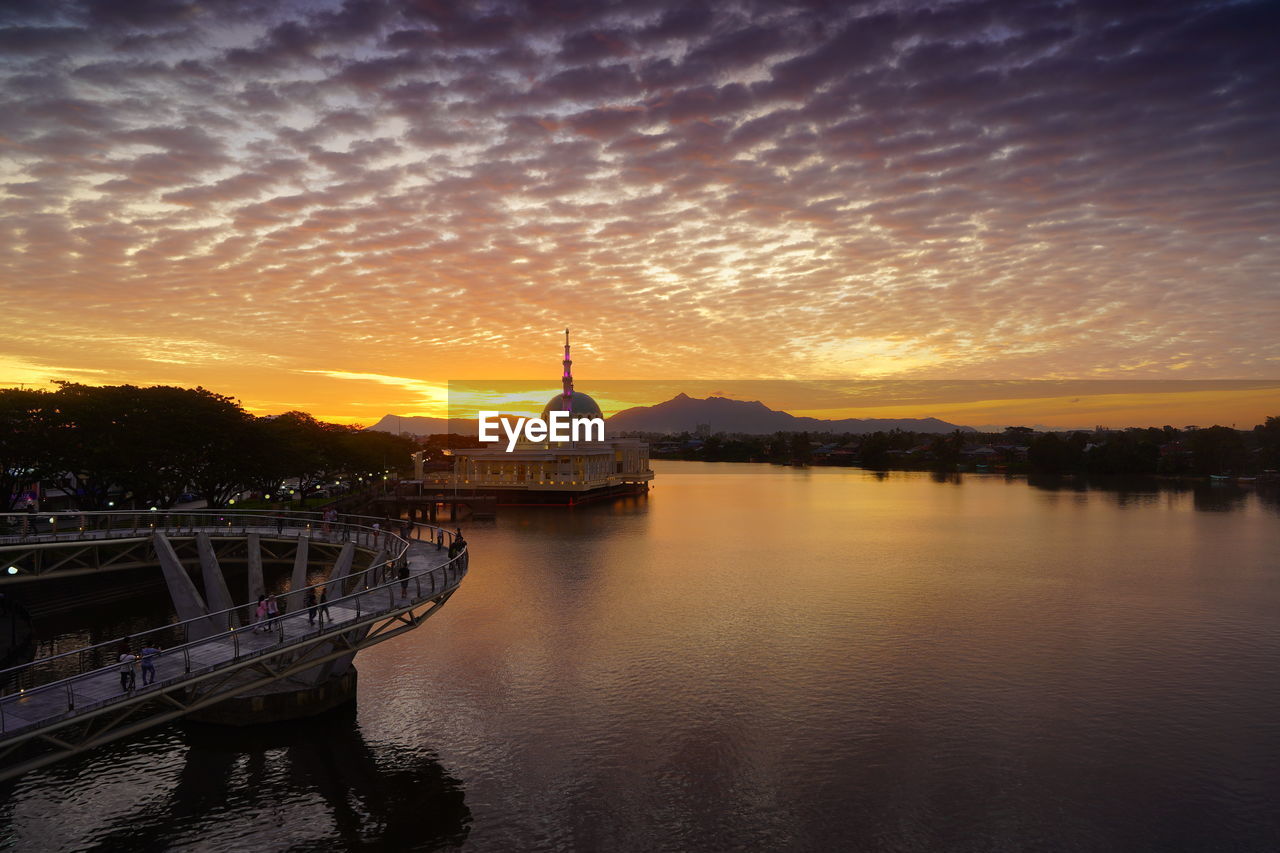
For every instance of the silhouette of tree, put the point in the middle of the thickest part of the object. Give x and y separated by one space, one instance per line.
26 455
1267 435
1218 450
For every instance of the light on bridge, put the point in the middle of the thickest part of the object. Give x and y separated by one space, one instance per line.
13 570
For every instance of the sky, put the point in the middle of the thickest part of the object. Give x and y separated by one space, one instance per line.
340 207
986 405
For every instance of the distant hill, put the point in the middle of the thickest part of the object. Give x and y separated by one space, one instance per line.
396 424
683 413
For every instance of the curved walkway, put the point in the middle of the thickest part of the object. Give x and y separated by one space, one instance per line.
67 713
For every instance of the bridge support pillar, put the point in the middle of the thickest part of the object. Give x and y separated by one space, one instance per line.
257 587
298 581
186 598
215 585
341 568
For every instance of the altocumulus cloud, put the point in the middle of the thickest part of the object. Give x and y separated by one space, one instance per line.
1016 189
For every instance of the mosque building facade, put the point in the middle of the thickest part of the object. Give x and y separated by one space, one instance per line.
556 472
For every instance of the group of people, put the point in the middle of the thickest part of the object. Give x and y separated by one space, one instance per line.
458 544
316 600
317 605
266 613
329 517
130 662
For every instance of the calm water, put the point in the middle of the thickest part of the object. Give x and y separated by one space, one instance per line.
762 658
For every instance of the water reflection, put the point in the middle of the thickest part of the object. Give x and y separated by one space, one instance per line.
1219 497
375 793
310 784
1152 491
762 657
1269 496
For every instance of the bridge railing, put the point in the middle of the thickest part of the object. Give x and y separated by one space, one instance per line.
367 601
124 524
65 667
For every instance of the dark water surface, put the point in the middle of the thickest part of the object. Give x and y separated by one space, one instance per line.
764 658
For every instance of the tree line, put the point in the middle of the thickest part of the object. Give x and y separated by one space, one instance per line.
1166 450
1157 450
143 447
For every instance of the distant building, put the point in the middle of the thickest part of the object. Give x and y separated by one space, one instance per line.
555 472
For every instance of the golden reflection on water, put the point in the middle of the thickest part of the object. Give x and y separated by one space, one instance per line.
777 643
756 657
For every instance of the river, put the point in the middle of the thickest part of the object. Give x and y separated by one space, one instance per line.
756 657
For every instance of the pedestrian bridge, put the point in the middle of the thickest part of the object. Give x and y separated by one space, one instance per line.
379 583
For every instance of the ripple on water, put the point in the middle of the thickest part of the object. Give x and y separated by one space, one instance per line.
771 660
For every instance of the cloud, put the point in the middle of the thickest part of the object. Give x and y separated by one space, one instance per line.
953 189
17 370
431 397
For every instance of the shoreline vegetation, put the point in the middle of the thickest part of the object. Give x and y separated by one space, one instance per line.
98 447
87 448
1189 452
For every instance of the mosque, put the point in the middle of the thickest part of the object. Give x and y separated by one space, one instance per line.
561 472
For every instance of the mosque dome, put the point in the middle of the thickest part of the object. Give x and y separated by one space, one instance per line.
581 406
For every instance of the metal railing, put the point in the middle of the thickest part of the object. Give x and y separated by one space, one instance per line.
50 673
124 524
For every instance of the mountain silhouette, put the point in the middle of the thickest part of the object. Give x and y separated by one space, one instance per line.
683 413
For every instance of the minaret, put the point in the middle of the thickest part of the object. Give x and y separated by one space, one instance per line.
568 376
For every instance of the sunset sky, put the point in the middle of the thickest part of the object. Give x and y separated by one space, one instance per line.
340 207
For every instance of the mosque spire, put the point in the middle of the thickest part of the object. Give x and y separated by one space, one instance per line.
568 375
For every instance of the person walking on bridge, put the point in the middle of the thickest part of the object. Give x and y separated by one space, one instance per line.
149 655
323 605
309 601
260 615
127 676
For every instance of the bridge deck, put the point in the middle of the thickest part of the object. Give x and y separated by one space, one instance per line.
81 695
